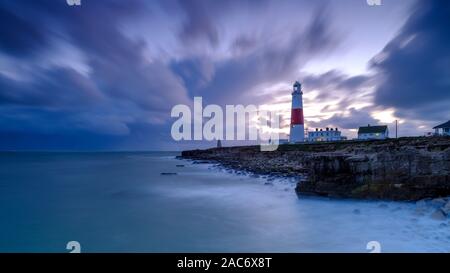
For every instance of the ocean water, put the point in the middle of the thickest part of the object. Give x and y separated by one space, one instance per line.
119 202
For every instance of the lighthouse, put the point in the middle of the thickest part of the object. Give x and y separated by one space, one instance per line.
297 133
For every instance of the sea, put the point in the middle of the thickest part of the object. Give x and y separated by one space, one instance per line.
121 202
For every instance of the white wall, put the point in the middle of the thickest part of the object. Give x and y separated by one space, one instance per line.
324 136
374 136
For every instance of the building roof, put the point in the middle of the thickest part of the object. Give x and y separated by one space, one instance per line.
443 125
372 129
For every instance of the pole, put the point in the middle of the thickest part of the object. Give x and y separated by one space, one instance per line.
396 128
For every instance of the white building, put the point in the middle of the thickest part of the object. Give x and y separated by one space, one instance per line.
442 129
373 132
329 134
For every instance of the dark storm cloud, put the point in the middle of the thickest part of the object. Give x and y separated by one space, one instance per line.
78 70
196 72
269 63
353 119
201 18
113 69
59 87
122 87
335 84
18 35
415 66
117 61
243 44
411 75
198 23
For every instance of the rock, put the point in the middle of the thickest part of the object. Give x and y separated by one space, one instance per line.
419 213
180 165
421 204
268 184
383 205
420 210
356 211
168 173
438 202
438 215
443 225
446 208
407 169
202 162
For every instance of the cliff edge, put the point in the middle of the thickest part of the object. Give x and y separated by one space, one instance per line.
397 169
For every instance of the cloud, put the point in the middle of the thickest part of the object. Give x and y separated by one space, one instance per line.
410 76
335 84
243 44
350 119
414 68
198 24
121 86
19 36
110 82
237 79
57 87
115 69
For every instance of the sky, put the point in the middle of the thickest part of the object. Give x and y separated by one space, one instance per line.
105 75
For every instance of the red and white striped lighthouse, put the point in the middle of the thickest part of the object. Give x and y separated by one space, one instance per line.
297 133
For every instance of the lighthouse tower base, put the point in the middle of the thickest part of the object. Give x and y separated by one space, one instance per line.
297 134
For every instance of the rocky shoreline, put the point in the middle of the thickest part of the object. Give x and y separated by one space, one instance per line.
396 169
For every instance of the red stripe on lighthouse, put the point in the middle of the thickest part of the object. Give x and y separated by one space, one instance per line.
297 116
